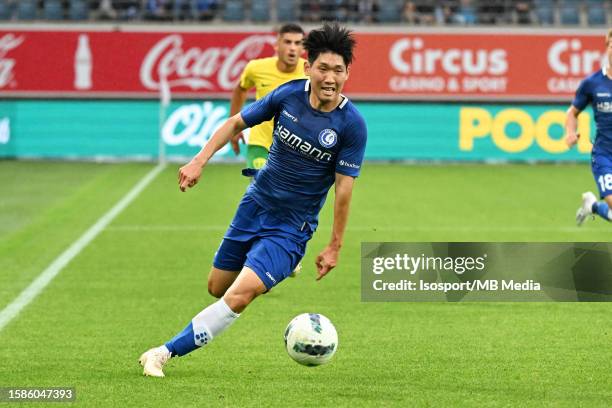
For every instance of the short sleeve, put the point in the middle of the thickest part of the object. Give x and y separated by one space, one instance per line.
583 96
246 79
353 147
265 108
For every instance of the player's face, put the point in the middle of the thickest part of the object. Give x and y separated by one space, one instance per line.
289 47
328 74
609 52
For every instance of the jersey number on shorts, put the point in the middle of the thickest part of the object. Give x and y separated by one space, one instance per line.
605 182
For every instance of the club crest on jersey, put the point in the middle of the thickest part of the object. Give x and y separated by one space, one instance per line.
328 138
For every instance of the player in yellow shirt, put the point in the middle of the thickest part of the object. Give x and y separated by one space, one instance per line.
266 74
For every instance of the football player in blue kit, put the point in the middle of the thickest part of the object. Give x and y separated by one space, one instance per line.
596 90
319 141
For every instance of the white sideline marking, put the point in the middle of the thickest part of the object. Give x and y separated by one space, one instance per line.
28 294
179 228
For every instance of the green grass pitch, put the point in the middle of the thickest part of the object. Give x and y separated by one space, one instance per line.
144 277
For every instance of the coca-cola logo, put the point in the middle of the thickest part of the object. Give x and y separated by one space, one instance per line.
195 67
412 56
8 42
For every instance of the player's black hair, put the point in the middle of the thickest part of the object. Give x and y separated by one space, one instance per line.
330 38
291 28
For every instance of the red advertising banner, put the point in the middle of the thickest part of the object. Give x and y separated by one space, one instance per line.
389 66
527 67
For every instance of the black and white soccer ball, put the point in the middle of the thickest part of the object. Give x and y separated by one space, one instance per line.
311 339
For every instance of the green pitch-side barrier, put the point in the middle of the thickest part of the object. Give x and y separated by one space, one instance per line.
123 129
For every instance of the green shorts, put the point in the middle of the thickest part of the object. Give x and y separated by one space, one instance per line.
256 156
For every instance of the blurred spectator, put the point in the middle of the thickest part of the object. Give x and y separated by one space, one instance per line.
522 10
104 10
157 9
367 10
491 11
425 12
409 13
206 9
466 14
182 10
341 10
419 12
445 13
127 9
328 10
310 11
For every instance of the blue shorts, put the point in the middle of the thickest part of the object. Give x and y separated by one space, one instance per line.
602 172
260 240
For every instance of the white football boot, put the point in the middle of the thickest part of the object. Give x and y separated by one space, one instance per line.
585 210
153 361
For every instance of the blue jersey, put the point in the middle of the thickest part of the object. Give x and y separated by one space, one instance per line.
596 89
308 148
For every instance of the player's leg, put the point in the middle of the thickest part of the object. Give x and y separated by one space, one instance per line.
602 172
206 325
220 280
244 290
227 264
602 208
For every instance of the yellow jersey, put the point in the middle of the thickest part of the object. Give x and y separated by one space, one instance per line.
264 76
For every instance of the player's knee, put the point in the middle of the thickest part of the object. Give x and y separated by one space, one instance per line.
238 301
215 289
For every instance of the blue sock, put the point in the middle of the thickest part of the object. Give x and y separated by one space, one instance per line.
187 341
206 325
601 208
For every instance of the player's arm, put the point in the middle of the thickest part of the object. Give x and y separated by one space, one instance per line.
252 115
190 173
571 124
239 97
581 99
328 258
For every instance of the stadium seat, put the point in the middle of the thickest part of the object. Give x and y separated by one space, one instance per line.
260 10
6 10
389 11
53 10
79 10
183 9
285 11
569 12
545 11
26 10
596 12
234 10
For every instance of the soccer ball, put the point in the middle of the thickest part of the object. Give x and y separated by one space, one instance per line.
311 339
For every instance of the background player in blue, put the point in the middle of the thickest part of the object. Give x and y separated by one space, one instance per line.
596 89
319 140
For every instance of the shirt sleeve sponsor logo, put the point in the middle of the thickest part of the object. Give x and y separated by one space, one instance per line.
347 164
328 138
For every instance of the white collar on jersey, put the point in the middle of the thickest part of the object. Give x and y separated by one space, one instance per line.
604 71
344 98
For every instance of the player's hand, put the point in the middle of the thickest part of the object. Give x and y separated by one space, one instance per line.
326 261
572 139
234 141
189 175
